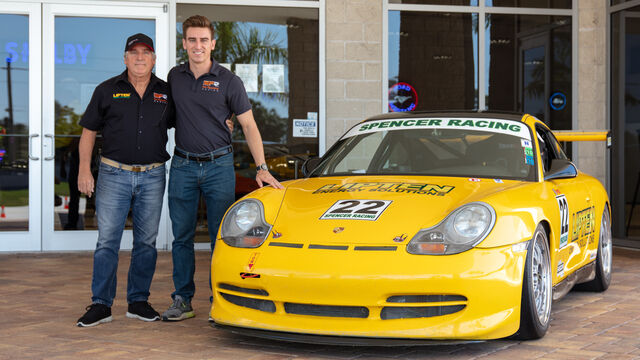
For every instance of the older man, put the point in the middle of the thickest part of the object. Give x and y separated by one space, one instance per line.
132 112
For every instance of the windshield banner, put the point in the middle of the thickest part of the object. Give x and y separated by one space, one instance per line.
502 126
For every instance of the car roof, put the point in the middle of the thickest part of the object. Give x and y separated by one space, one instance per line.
435 114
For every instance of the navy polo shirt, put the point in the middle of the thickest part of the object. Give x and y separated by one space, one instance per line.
202 105
134 130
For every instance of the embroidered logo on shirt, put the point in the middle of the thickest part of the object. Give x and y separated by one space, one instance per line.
210 85
160 98
121 95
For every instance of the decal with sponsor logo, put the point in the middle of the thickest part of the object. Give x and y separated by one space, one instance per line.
563 207
499 181
560 268
160 98
525 143
583 226
121 95
528 160
508 127
474 179
210 85
356 210
409 188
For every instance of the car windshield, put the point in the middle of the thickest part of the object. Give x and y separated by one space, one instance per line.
491 148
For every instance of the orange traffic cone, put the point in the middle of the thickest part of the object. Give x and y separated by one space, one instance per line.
66 202
2 214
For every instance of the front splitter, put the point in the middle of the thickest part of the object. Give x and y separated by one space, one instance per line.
335 340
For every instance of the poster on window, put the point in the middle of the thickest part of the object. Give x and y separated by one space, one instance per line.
248 73
273 78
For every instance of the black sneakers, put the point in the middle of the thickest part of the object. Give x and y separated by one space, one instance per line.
142 310
96 314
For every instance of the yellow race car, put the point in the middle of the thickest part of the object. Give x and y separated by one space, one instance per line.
414 227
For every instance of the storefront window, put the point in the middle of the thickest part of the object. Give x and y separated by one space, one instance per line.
528 60
546 4
433 61
14 122
275 52
82 61
625 122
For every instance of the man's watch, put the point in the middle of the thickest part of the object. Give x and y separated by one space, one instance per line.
262 166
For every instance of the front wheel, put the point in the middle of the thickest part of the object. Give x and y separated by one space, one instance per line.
535 309
603 258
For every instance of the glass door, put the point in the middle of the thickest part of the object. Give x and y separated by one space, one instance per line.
84 46
20 155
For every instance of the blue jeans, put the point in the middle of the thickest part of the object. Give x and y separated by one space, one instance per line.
216 180
117 191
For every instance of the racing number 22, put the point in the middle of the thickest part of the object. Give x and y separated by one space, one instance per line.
375 204
356 209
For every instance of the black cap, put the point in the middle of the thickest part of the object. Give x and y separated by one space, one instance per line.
139 38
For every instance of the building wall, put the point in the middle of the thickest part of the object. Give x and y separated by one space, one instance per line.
354 64
592 84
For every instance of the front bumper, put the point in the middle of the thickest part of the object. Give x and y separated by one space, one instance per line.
382 294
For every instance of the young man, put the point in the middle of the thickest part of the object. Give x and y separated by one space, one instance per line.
132 112
205 95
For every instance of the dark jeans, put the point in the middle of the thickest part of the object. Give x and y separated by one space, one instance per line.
216 181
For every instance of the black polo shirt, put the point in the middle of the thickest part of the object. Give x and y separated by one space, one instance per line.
134 130
202 105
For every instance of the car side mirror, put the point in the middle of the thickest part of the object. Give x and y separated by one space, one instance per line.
309 165
561 169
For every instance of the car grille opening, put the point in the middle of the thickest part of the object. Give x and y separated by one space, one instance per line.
375 248
243 289
424 298
257 304
390 313
287 245
327 310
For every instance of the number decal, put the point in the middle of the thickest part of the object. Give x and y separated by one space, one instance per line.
345 209
356 210
369 210
563 206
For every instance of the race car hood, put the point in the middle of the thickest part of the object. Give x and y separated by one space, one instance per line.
373 210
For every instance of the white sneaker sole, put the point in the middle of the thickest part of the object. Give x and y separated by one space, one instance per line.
134 316
102 321
183 316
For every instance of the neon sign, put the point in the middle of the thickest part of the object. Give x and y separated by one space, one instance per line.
402 97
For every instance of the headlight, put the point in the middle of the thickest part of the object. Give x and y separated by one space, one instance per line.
463 229
244 225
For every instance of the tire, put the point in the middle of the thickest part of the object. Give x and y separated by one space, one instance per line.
603 260
537 292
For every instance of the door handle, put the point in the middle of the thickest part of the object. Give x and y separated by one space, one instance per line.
31 138
53 153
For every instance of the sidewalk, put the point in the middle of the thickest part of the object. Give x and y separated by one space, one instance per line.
43 295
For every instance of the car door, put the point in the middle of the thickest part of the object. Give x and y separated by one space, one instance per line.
575 223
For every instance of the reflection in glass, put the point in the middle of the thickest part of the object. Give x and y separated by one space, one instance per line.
14 122
625 121
528 61
282 45
436 54
88 51
546 4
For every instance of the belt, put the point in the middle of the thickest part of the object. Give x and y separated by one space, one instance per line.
134 168
211 156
